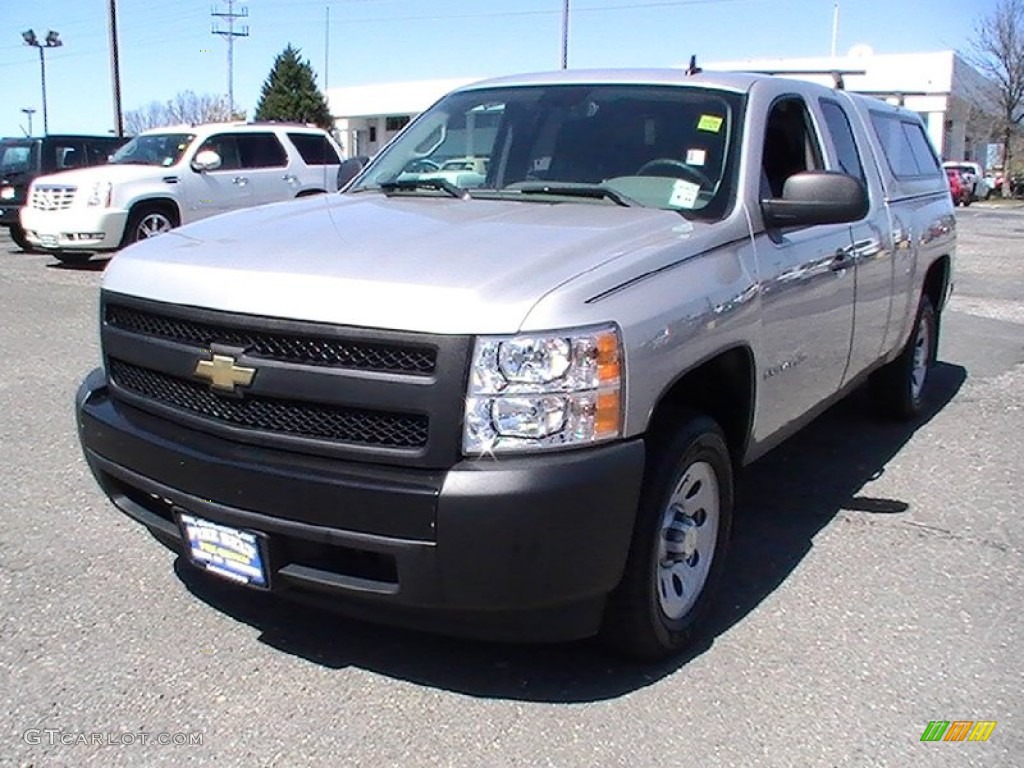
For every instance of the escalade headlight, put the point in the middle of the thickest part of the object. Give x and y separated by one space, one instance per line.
100 194
542 391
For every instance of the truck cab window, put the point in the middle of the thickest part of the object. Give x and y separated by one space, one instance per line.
790 145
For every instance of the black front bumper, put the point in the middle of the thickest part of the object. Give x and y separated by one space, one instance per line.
515 549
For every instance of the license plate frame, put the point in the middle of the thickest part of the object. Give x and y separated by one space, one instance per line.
239 555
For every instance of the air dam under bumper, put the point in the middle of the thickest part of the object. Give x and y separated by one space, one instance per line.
522 549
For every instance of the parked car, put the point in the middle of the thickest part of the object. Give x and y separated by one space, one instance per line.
958 188
24 159
972 176
515 411
170 176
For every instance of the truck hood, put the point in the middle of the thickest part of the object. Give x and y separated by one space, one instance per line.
418 263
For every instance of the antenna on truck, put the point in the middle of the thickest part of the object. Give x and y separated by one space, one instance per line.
693 69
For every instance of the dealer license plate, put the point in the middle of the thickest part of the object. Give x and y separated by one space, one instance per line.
232 553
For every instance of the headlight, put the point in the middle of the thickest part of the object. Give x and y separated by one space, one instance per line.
543 391
6 193
100 194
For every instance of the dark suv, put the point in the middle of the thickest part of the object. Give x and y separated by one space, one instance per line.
22 159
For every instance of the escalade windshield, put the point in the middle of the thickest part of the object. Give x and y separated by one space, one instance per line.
670 147
153 149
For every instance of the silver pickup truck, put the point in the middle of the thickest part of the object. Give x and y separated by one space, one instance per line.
513 408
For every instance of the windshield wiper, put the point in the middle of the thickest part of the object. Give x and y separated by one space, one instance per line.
570 189
438 184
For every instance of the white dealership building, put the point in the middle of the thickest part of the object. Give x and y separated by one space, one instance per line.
941 86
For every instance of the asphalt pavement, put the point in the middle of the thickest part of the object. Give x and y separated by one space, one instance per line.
875 585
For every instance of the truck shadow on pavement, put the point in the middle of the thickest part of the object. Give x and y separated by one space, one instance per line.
783 501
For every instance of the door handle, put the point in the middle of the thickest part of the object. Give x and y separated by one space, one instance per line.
290 178
240 181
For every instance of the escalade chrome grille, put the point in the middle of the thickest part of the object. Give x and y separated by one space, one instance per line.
308 350
49 197
349 425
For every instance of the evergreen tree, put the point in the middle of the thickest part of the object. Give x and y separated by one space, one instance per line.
290 93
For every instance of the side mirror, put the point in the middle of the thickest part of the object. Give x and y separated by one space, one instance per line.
207 160
816 197
350 168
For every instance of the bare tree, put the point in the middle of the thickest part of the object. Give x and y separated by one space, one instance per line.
998 52
185 108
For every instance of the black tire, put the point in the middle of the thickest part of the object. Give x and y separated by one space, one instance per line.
894 390
636 622
71 259
142 219
18 236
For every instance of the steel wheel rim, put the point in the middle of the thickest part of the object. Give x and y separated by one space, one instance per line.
153 224
922 355
687 538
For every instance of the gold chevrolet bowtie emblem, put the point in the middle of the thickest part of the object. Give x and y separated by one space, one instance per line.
224 374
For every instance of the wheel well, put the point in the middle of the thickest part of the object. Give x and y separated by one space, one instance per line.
722 388
163 204
936 282
309 192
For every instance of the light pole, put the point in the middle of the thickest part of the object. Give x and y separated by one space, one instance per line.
29 111
52 40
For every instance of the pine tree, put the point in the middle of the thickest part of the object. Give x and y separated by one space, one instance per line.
290 93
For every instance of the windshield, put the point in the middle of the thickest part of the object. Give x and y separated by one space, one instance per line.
153 149
667 147
16 157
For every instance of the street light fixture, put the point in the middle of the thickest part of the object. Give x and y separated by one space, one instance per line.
52 40
29 111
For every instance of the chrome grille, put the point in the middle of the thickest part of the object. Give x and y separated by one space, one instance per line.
49 197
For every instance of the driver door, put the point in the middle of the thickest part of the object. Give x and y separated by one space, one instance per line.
225 189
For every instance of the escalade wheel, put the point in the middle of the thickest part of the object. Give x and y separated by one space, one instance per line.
679 543
146 222
900 388
18 236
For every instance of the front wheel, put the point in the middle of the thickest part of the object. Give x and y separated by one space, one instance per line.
900 388
18 236
679 542
147 221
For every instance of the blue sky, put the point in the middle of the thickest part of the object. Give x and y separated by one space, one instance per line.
167 47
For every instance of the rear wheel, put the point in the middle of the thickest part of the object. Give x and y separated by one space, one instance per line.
679 542
148 221
900 388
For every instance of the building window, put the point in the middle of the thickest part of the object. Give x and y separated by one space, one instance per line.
396 123
373 133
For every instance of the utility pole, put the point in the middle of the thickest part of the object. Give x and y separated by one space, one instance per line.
565 34
115 69
835 27
230 34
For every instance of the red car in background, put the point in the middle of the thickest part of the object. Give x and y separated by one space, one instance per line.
958 189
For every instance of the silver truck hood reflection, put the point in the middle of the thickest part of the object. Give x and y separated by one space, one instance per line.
413 263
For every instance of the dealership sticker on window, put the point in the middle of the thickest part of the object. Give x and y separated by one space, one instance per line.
710 123
684 194
696 157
